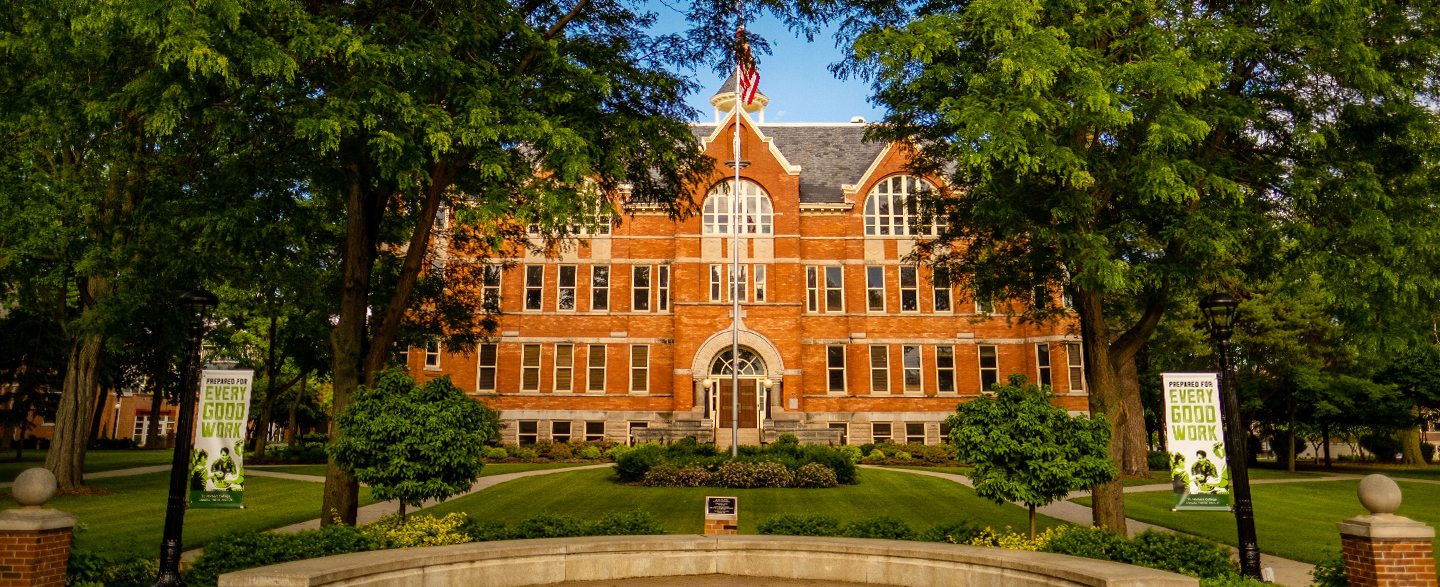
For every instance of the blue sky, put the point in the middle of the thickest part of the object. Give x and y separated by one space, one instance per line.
796 76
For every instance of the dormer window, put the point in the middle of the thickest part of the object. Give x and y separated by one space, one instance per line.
754 212
893 207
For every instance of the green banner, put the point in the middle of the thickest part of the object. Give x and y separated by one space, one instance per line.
1194 434
217 473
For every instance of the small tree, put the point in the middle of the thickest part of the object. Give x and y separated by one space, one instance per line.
1026 449
413 443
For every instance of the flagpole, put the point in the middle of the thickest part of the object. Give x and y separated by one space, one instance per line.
735 284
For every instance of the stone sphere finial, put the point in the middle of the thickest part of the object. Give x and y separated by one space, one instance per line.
34 487
1379 494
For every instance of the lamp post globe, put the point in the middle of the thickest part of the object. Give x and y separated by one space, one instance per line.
198 303
1219 309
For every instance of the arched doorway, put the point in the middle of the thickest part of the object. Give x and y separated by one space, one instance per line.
753 387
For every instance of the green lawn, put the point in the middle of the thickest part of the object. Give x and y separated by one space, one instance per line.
1292 520
132 517
1156 477
495 469
95 460
919 500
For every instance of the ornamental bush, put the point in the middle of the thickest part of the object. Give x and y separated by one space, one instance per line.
590 452
851 453
662 475
735 474
882 527
496 452
615 452
800 525
523 453
694 476
876 455
87 569
247 550
772 474
815 475
393 531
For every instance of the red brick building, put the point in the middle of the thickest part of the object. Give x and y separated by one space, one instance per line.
628 337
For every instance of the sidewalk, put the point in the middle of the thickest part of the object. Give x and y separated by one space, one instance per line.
1290 573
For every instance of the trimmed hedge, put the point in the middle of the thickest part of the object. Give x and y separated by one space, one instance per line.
882 527
681 464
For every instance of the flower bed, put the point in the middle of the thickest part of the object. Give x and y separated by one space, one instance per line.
786 463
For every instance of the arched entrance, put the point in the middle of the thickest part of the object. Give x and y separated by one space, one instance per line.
753 387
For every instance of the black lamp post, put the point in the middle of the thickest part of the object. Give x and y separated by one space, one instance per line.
198 303
1219 311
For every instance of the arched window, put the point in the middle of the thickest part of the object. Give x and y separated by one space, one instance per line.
892 208
755 212
750 364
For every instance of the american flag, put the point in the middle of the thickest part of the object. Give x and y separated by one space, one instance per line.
745 62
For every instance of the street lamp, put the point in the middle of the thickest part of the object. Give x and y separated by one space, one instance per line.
1219 309
198 303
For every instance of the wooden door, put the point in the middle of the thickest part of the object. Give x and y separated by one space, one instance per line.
749 411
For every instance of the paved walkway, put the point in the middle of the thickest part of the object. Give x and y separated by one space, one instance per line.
1290 573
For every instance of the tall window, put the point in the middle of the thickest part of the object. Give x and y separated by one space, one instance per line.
529 432
911 356
989 367
909 290
737 283
640 287
941 279
879 369
491 294
1041 299
599 287
530 367
639 367
534 286
715 282
565 288
564 366
755 212
880 432
1042 360
892 208
560 431
489 358
835 367
945 369
834 289
1076 357
875 289
759 283
812 289
432 354
662 288
597 368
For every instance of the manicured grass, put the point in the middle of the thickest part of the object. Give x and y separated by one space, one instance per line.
1292 520
488 470
1156 477
131 518
95 460
919 500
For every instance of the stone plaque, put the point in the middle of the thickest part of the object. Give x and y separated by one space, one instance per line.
721 507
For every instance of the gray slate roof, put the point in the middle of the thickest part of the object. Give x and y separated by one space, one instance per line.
828 156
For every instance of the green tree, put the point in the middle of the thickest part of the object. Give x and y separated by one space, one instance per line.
1029 450
413 442
1416 374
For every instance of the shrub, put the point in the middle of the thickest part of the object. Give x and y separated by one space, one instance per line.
735 474
1382 445
247 550
787 438
772 474
851 453
662 475
815 475
1157 460
952 532
867 448
934 454
496 452
1015 540
1088 543
1330 572
1176 553
633 464
589 452
693 476
902 455
1427 450
876 455
615 452
524 453
883 527
548 525
87 569
561 450
800 525
632 523
392 531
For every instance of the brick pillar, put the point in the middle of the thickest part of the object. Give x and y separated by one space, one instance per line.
34 547
1383 549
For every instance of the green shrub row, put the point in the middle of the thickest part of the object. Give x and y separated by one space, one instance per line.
934 454
248 550
632 466
882 527
555 450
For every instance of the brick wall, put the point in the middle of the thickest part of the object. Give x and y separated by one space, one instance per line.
34 558
1388 562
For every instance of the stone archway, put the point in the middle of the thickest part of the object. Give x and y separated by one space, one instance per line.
720 342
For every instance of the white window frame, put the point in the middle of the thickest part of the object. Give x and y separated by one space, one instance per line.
432 355
909 294
1043 365
1075 358
993 370
945 369
812 289
875 436
879 368
640 289
484 366
562 290
595 436
662 288
758 273
875 288
908 352
756 212
738 284
839 290
564 363
890 207
600 288
832 353
534 288
717 282
556 435
595 373
910 432
530 367
940 279
640 368
520 432
490 281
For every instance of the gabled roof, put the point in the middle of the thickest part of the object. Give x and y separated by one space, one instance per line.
829 155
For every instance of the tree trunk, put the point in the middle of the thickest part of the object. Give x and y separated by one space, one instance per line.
1325 432
1136 461
1105 402
1032 522
77 407
95 419
154 437
292 432
1290 436
1410 444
